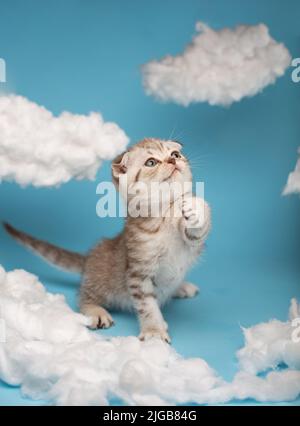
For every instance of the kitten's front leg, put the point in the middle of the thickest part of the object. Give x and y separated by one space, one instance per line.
145 303
196 221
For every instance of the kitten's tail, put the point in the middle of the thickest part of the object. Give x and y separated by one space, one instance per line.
59 257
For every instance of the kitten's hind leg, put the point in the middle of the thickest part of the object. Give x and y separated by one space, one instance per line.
186 290
100 317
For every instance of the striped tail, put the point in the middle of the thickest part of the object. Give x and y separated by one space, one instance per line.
64 259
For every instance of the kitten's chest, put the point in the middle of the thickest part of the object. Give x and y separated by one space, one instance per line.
172 266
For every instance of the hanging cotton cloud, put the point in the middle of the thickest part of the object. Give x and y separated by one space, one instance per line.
293 183
43 150
49 352
218 67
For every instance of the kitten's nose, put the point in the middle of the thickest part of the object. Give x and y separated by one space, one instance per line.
172 160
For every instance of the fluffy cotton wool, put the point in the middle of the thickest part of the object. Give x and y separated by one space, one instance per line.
293 183
51 354
268 345
41 149
218 67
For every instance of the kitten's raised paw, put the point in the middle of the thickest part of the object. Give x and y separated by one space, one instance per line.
192 209
187 290
153 333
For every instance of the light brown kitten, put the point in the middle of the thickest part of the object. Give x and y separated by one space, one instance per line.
145 265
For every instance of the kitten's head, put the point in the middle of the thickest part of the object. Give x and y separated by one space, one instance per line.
152 160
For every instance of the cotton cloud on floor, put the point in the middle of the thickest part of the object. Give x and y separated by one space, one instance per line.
218 67
50 353
293 183
43 150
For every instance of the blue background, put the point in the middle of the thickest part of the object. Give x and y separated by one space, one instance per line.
86 55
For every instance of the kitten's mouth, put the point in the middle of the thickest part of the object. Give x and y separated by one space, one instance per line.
176 169
172 173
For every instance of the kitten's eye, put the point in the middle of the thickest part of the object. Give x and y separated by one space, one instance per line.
175 154
151 162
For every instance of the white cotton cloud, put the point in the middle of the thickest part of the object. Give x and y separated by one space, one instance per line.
51 355
293 183
41 149
219 67
269 344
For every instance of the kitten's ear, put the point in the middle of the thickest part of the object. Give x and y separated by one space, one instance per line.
174 145
119 166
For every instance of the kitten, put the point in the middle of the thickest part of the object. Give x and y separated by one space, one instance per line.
144 266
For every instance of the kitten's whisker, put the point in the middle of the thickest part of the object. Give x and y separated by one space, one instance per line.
172 132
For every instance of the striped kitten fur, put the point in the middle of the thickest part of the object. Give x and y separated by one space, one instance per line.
144 266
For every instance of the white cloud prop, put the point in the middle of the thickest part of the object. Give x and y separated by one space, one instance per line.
50 353
293 183
43 150
269 344
218 67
